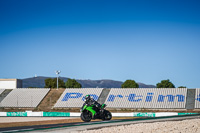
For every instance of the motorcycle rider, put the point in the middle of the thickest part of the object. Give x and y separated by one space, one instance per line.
90 101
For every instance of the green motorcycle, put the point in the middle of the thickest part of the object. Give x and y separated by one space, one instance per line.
89 112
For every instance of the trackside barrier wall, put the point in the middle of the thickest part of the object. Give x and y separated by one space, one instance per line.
71 114
147 98
24 97
75 97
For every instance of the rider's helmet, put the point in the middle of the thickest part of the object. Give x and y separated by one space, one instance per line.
87 98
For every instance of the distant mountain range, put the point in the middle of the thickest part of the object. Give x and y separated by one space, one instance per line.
39 82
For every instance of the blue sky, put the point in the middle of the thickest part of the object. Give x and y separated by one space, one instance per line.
147 41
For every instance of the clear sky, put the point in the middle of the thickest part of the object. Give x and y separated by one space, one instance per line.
144 40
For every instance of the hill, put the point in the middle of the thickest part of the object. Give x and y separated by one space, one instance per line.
39 82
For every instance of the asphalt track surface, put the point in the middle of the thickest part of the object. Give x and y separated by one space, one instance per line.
79 126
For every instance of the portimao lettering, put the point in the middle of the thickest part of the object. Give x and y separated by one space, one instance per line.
132 97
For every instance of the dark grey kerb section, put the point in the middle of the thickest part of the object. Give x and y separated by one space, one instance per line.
190 100
103 96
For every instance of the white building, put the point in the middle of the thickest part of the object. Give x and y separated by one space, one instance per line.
10 83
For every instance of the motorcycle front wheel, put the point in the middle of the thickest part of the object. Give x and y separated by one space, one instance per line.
86 116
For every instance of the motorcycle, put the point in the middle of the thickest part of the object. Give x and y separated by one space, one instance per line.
89 112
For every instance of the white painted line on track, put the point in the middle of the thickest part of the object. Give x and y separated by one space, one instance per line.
10 131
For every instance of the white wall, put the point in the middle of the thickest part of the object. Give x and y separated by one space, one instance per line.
9 84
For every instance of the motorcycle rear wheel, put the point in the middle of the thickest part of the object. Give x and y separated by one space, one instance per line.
107 115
